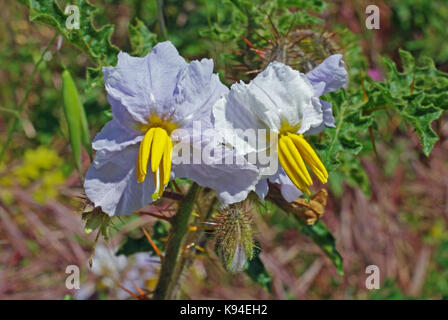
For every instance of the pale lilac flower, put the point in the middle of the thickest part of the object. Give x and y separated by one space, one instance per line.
329 76
141 269
156 100
287 103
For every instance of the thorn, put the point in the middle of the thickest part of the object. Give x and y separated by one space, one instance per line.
253 71
94 247
260 53
176 186
277 35
153 245
140 291
127 290
155 215
319 137
264 38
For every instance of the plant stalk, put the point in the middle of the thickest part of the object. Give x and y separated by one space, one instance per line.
195 237
179 230
161 19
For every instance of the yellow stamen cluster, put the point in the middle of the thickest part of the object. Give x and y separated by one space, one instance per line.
157 146
293 153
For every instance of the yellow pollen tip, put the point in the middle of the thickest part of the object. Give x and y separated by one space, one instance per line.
294 152
310 157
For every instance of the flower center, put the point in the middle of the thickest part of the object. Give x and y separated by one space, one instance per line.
157 146
293 153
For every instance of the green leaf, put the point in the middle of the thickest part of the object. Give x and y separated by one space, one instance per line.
72 105
420 118
94 78
321 236
134 245
94 42
96 219
318 233
341 146
142 40
257 272
418 95
344 138
85 133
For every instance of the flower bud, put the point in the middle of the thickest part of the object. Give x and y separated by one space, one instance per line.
234 236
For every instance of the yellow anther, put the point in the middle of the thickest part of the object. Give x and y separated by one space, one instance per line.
290 167
297 158
143 155
310 157
156 145
294 152
166 161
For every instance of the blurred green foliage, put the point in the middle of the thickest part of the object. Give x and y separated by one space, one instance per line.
422 25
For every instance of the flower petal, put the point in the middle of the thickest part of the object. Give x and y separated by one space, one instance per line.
277 94
139 86
262 188
197 90
115 137
313 117
113 185
328 118
290 191
232 182
331 72
233 119
284 92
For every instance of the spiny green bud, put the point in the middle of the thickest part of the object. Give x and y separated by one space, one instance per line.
301 49
234 236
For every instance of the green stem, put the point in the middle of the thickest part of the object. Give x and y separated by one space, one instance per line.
179 230
15 121
186 260
13 112
161 19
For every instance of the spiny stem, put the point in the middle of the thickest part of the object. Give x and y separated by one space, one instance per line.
151 242
196 238
179 230
16 119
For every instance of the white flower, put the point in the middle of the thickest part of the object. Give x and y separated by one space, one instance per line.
283 101
152 98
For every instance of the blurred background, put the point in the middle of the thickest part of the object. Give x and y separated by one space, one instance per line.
401 227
